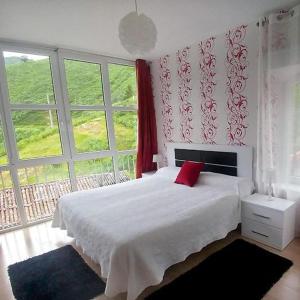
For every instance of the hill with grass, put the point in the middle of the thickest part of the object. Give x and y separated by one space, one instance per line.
30 82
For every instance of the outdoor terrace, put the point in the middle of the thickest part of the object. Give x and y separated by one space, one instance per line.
40 199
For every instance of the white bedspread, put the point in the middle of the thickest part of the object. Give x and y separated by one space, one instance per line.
136 230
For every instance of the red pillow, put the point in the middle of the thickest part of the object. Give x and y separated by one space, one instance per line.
189 173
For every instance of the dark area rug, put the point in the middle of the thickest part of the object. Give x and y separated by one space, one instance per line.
240 271
60 274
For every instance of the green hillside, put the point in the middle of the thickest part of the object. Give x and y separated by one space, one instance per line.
12 60
30 82
37 133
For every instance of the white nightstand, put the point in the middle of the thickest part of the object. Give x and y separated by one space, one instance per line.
147 174
271 222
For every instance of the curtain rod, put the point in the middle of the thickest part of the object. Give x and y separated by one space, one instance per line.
281 15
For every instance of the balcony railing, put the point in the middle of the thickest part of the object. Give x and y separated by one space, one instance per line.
9 215
40 199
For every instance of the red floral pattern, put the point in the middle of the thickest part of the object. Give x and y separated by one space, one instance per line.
236 66
165 97
207 89
184 92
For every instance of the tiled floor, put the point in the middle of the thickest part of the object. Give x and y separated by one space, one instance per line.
22 244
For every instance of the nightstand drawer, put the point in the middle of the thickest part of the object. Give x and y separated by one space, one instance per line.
261 214
263 233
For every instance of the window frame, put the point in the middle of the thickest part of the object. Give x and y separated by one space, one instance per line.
10 107
63 109
5 141
292 178
295 178
108 108
118 108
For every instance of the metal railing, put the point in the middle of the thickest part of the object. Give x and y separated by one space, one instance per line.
40 199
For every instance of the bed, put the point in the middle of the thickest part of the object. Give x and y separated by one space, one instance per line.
137 229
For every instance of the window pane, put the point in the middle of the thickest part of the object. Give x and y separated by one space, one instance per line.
94 173
41 186
37 133
9 214
122 84
296 151
90 132
3 155
84 83
126 165
125 124
29 78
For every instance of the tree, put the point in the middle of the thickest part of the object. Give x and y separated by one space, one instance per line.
129 92
24 58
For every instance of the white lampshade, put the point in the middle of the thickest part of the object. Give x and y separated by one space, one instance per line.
137 33
156 158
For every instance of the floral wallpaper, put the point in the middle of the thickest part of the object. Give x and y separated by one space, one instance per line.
236 71
208 83
207 92
165 101
184 93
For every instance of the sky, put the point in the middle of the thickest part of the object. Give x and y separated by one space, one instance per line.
18 54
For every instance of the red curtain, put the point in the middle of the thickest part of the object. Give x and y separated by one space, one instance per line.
147 135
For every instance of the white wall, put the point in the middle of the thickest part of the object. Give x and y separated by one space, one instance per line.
170 121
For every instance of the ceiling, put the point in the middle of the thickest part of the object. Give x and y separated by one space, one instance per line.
92 25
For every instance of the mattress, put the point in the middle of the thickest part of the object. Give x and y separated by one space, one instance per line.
137 229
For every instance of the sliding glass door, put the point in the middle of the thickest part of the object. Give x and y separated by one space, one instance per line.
122 82
33 112
67 122
9 213
88 127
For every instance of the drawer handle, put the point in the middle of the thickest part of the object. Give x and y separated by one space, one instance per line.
260 233
261 216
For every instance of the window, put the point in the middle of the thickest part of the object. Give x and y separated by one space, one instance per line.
123 85
37 133
33 105
295 155
70 121
125 123
94 173
89 129
9 213
29 78
41 187
84 81
123 94
126 164
3 155
101 124
85 96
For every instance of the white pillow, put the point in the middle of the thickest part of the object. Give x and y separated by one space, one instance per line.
242 185
168 172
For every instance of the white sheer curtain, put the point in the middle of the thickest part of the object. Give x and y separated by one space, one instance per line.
279 102
279 99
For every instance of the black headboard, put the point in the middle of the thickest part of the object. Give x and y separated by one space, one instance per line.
215 161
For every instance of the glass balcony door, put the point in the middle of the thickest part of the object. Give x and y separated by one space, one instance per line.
67 122
96 91
36 142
